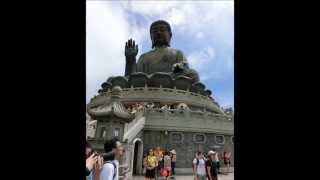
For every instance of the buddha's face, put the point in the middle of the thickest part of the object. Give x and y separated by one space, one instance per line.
160 35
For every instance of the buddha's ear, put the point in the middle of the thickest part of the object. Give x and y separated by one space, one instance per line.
152 43
168 43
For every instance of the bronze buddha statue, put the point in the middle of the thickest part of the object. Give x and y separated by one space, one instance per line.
162 58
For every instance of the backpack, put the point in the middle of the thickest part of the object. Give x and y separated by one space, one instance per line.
196 163
115 168
214 166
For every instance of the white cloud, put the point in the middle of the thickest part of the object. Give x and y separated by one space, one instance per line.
199 35
106 33
226 100
151 8
200 60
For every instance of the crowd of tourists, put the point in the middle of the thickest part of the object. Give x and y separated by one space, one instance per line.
208 167
159 163
156 163
137 107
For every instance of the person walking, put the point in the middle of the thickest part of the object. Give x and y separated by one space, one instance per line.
211 166
199 167
226 159
217 161
173 161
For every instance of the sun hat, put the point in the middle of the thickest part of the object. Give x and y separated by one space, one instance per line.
211 152
173 151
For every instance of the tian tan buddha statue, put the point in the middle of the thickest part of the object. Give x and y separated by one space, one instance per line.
162 58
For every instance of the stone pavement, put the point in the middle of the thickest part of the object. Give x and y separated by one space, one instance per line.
190 177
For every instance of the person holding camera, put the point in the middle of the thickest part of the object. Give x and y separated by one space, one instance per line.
94 163
90 159
90 163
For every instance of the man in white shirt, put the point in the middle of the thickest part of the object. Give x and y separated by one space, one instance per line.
110 170
199 167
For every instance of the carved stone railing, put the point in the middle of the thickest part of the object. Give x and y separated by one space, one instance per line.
152 94
134 130
129 125
178 120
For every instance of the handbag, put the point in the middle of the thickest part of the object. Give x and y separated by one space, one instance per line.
165 172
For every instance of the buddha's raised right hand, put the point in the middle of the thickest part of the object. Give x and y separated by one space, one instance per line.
131 49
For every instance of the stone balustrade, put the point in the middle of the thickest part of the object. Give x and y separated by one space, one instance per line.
163 95
186 120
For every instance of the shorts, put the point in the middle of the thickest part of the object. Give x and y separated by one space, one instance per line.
150 173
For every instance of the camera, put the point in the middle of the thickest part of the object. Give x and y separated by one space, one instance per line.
93 152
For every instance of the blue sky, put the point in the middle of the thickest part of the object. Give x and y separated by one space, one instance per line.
203 30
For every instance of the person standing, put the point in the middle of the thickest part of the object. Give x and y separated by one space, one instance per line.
193 165
110 170
173 161
90 163
167 163
226 159
199 167
217 161
159 155
144 162
151 165
211 166
91 160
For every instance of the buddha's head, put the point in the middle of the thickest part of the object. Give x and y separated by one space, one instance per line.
160 32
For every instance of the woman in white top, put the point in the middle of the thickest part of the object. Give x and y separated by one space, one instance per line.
199 167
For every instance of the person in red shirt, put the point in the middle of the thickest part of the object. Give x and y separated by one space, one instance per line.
226 159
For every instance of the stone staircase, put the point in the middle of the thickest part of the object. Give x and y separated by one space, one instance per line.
134 127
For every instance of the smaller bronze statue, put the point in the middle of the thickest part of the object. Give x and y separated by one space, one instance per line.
162 58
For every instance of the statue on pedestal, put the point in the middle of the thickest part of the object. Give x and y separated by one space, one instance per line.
162 58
